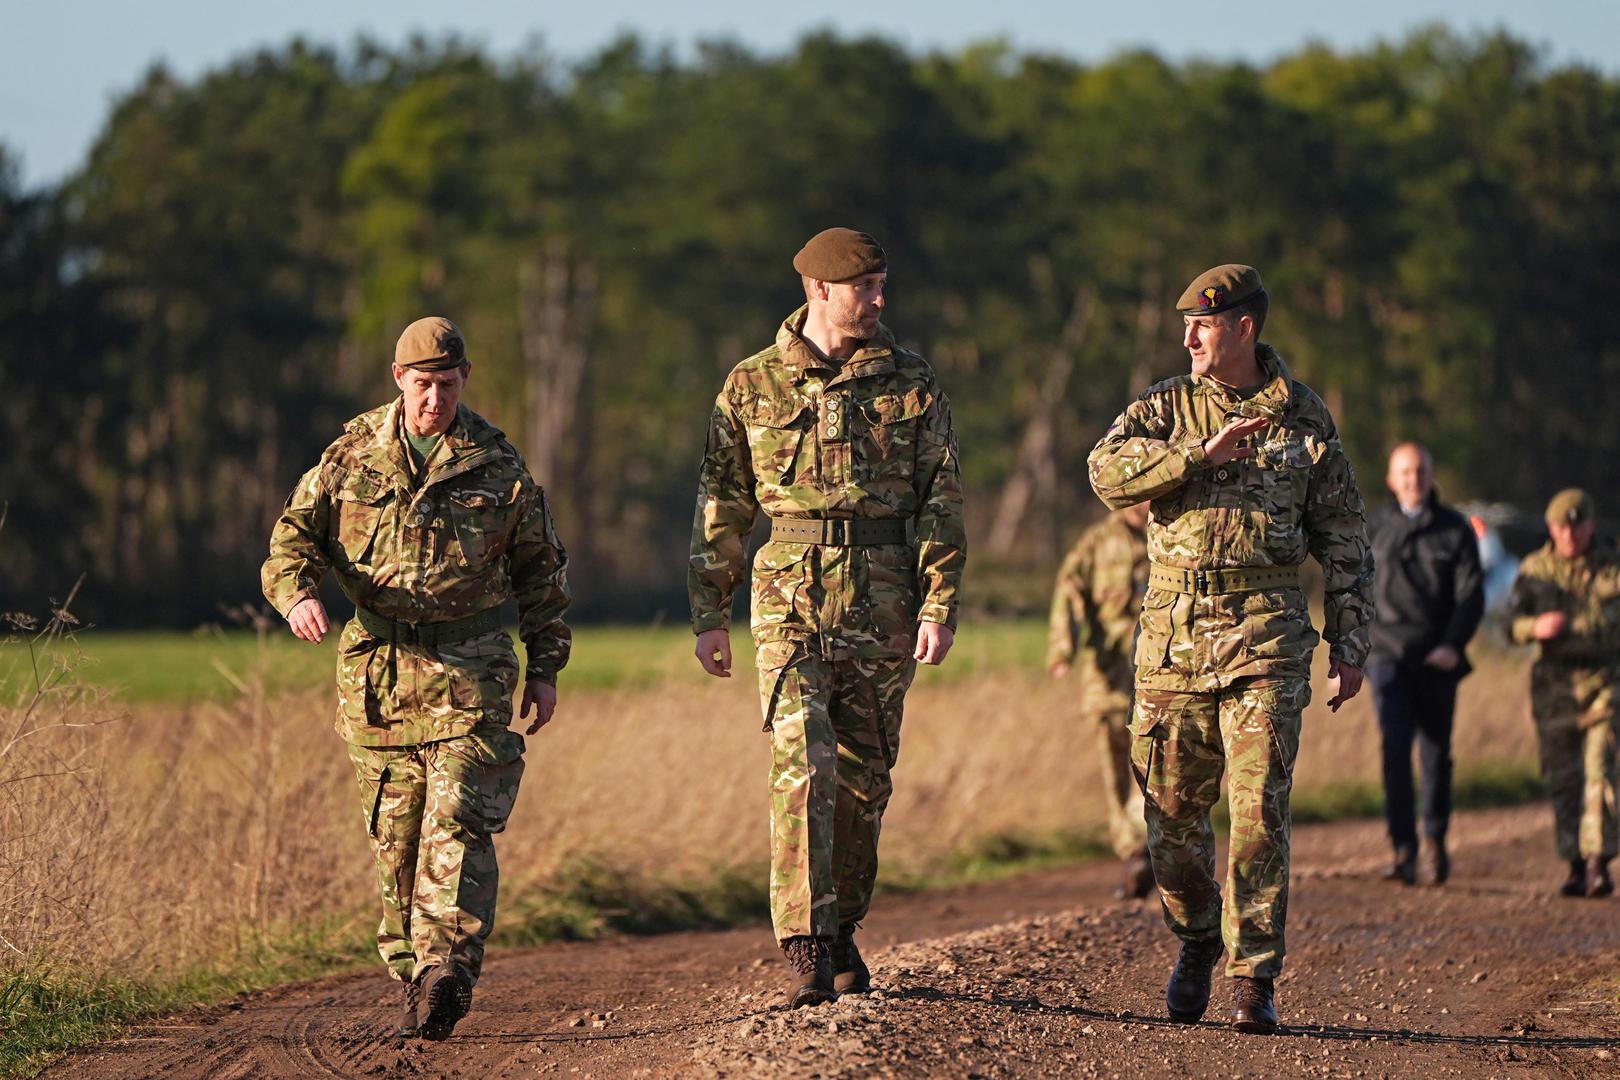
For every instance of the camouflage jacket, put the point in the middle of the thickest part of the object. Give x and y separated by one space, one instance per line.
794 436
1296 495
1094 609
1586 589
475 530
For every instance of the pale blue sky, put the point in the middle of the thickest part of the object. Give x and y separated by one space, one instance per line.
67 60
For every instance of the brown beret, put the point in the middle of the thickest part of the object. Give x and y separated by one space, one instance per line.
1216 290
839 255
431 344
1571 506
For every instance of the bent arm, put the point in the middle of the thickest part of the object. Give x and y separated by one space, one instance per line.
1139 458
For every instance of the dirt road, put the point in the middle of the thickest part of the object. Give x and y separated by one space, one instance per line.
1491 976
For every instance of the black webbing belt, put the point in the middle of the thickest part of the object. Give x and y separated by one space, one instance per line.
431 634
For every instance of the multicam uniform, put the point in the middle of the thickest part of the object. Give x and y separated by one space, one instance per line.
1223 653
1093 625
1572 689
426 675
847 454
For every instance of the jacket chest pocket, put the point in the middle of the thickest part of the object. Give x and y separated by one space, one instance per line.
360 502
776 436
482 519
893 429
1281 471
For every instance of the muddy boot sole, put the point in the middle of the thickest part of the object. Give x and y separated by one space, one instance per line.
449 999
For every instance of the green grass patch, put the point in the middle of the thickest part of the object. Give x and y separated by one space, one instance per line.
213 664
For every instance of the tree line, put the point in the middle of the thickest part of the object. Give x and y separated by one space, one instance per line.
191 315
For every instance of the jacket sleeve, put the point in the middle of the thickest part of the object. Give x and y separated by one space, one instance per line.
726 508
298 556
1468 593
941 532
1066 625
539 568
1526 600
1336 534
1136 460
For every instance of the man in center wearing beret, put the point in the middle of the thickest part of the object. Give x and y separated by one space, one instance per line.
429 520
844 440
1566 601
1243 468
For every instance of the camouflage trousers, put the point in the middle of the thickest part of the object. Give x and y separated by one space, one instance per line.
1183 743
1127 831
835 734
1579 767
431 810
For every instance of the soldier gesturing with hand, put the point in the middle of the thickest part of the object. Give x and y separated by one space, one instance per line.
1242 466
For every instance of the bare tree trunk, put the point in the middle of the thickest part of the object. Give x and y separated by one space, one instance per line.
1034 476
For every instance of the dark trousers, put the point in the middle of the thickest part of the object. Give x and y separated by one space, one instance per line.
1415 703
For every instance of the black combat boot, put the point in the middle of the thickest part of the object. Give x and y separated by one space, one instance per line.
812 981
407 1015
1138 880
1436 862
1187 995
850 975
448 991
1575 884
1404 868
1253 1011
1598 882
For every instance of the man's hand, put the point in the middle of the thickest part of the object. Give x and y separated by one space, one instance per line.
1344 680
308 620
933 642
714 652
1443 658
541 698
1550 625
1059 669
1222 446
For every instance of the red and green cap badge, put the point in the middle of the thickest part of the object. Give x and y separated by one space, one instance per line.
1220 289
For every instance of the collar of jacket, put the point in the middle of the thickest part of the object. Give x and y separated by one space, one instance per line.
876 357
1272 399
469 442
1425 513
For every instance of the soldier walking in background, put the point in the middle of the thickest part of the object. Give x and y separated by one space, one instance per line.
1093 626
1427 589
844 440
1567 601
1243 467
430 521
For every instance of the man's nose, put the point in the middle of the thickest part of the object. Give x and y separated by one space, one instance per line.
1189 337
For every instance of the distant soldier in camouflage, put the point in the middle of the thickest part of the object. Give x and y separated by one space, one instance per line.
1566 600
1243 467
844 440
430 521
1093 626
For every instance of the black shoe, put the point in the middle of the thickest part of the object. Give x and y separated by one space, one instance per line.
850 975
1597 881
1404 868
1436 863
812 981
1575 884
1138 880
407 1015
1187 995
448 990
1253 1011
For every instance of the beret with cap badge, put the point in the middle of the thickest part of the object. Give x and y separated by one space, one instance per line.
840 255
431 344
1571 507
1220 289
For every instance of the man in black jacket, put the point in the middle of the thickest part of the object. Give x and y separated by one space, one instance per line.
1427 591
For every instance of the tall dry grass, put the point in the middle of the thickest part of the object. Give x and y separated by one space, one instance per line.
155 841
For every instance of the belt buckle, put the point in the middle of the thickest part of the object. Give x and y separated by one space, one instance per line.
1201 581
839 532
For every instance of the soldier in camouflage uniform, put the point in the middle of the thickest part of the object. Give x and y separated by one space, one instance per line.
844 440
430 521
1242 465
1093 623
1566 600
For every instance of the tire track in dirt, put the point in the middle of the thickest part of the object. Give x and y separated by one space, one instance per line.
1043 976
